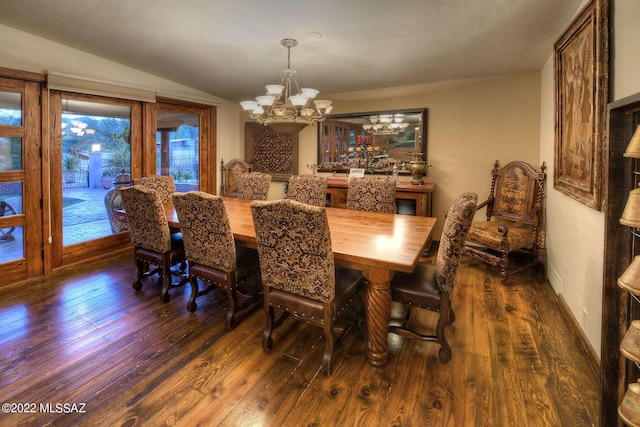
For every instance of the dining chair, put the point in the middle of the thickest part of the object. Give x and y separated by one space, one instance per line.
213 256
230 174
372 194
514 219
152 240
254 186
298 272
165 185
430 286
309 189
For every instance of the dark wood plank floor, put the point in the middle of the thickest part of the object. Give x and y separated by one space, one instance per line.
86 349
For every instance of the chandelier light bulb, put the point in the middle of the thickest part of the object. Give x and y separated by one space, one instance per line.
249 105
265 100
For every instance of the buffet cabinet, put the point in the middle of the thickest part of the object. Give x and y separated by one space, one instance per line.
408 196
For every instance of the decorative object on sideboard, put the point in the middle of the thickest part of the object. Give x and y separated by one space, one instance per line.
285 107
417 167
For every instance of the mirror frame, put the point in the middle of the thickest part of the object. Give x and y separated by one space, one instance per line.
362 117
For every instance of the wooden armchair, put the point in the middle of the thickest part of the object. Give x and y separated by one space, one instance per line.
230 174
515 218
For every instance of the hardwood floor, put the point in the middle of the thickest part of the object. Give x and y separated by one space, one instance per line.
87 341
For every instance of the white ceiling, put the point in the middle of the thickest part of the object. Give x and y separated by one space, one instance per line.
231 48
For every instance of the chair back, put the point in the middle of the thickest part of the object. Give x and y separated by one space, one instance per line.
206 231
309 189
147 221
254 186
454 234
294 247
372 194
165 185
230 174
517 192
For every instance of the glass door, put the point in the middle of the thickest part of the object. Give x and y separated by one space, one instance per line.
20 181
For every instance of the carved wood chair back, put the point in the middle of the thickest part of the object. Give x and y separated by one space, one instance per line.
230 174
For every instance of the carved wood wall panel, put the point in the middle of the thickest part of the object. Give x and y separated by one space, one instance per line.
271 152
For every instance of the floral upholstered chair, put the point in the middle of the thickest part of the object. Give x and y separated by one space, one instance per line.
254 186
153 242
372 194
430 287
309 189
213 256
165 185
298 271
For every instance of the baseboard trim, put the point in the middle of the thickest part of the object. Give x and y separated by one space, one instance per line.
586 346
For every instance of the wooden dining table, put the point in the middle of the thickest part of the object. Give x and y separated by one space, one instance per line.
378 244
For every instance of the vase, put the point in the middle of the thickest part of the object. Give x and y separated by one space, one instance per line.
113 203
417 167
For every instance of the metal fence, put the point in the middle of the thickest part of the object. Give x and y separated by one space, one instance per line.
75 179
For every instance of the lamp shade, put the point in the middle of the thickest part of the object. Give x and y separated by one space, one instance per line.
631 214
630 279
633 149
630 345
629 409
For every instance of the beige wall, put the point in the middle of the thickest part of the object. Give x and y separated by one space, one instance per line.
575 233
470 124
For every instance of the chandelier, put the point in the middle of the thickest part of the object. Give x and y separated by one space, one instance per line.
386 124
285 107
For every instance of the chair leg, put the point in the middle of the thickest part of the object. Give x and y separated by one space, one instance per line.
140 270
504 266
191 304
165 282
267 341
328 347
230 322
446 313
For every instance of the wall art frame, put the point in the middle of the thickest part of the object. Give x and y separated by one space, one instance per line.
581 57
268 151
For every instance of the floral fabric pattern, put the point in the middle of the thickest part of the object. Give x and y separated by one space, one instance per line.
206 231
294 246
147 221
308 189
372 194
454 234
164 185
254 186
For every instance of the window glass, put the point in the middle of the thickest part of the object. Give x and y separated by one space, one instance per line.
177 149
10 154
95 149
10 109
11 238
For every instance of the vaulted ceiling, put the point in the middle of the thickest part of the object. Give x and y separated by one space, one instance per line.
231 48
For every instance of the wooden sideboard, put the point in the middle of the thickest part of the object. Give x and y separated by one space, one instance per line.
420 195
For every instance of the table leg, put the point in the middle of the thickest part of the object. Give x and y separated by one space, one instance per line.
377 305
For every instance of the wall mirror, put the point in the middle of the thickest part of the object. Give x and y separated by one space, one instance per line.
374 141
